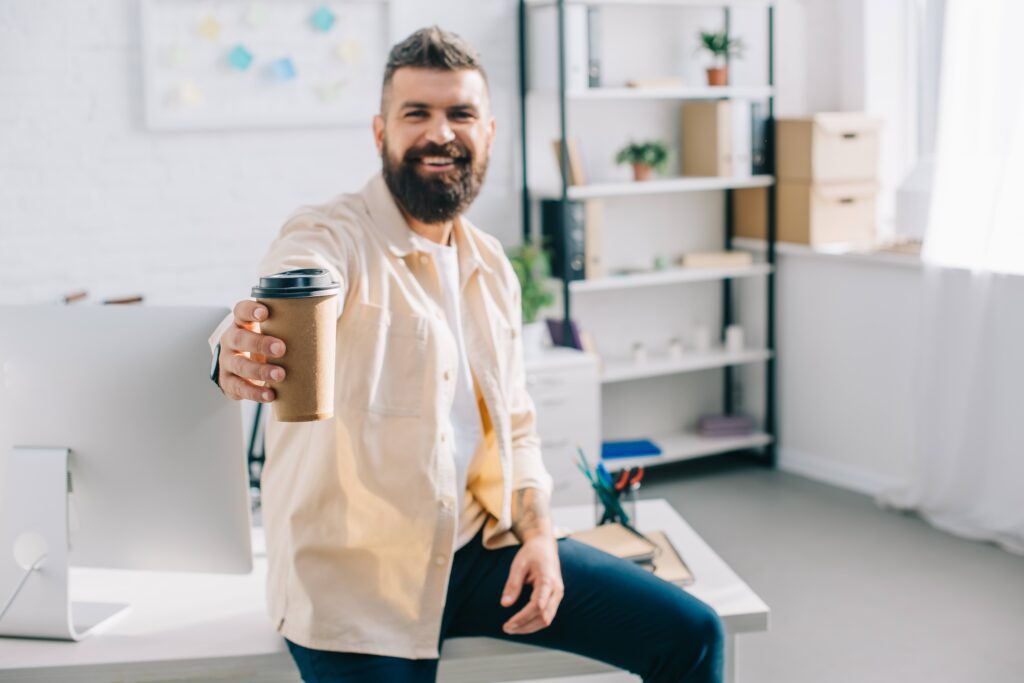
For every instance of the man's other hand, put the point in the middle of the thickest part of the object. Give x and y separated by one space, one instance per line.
537 564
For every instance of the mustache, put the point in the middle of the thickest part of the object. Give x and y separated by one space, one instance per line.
454 149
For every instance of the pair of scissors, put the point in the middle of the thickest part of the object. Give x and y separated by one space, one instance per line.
630 478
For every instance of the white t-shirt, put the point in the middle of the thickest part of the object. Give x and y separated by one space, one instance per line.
467 429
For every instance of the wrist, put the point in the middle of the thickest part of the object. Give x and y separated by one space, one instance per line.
542 532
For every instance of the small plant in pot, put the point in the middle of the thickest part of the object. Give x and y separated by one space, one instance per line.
646 157
721 46
532 269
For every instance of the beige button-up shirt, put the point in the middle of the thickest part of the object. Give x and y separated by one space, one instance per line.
359 510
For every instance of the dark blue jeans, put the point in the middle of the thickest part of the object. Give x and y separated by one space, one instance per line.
612 611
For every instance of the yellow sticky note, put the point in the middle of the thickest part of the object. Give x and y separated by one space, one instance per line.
209 28
190 94
330 91
349 51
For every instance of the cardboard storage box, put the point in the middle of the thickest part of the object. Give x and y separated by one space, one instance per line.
809 214
835 147
750 213
706 138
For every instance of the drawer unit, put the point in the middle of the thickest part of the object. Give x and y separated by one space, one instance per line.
565 386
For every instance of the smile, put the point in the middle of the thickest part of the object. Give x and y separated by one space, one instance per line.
437 163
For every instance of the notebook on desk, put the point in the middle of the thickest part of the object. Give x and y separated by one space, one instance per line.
656 554
617 540
668 564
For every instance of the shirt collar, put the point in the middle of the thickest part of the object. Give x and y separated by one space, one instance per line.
400 238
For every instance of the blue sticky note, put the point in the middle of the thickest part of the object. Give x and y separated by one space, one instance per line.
240 58
323 19
282 69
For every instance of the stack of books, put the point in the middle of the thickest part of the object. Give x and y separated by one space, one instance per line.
725 425
650 550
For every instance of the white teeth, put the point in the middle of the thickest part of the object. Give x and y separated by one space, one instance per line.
437 161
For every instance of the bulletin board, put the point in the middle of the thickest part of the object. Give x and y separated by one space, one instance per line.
222 64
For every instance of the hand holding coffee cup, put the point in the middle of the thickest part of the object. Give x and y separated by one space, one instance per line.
244 349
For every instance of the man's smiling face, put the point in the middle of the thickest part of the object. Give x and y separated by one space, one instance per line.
434 135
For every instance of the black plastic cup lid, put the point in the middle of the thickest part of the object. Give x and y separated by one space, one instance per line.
296 284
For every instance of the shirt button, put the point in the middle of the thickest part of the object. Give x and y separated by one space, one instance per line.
424 259
443 437
439 560
447 375
447 504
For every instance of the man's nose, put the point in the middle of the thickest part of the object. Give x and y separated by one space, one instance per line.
440 132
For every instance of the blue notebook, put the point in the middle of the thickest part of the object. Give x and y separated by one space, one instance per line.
629 449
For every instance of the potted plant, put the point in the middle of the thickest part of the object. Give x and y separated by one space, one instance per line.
646 157
720 45
532 269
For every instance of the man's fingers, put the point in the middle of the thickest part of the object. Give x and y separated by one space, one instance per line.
541 594
516 574
250 312
524 623
532 626
552 607
523 616
250 369
238 388
238 339
533 609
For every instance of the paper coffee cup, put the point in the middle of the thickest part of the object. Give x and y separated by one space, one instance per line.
303 307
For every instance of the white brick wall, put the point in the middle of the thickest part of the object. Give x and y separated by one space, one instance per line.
89 199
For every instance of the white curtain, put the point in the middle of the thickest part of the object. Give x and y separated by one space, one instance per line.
977 211
967 472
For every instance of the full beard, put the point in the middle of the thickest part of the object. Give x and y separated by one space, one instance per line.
441 196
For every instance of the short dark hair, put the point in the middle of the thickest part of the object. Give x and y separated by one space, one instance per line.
431 48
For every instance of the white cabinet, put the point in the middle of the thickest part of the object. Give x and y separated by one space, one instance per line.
565 385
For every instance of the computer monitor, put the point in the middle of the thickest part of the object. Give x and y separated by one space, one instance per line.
117 451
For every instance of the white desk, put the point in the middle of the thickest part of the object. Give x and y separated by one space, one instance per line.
196 627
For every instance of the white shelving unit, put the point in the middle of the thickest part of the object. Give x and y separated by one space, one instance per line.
684 93
623 370
618 371
686 446
661 186
656 3
669 276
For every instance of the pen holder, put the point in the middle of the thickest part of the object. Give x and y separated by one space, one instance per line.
605 513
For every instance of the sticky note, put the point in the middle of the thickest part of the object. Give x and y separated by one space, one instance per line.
323 19
209 28
349 51
256 15
331 91
240 58
190 94
282 69
178 56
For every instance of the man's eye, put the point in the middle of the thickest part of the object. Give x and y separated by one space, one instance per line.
462 116
416 114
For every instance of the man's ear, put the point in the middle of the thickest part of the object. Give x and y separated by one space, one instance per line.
492 128
378 132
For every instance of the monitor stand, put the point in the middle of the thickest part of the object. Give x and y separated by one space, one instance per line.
34 521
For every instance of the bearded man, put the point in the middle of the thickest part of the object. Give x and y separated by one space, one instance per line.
420 512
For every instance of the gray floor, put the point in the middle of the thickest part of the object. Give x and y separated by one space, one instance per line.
858 594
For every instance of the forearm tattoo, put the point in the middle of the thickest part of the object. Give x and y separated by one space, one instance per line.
529 512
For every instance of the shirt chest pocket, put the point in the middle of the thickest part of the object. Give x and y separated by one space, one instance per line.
383 361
